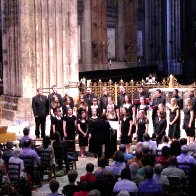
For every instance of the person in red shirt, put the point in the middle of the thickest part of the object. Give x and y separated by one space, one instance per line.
89 177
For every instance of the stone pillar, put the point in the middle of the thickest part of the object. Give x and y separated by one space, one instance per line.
86 36
40 48
99 32
130 18
174 37
120 32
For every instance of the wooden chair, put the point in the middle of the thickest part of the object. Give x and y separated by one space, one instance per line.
14 176
31 169
4 188
72 155
46 167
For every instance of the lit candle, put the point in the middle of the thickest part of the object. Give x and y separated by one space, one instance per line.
110 61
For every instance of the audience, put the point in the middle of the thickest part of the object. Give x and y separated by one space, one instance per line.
94 192
125 183
135 177
8 152
163 159
150 143
150 185
165 142
127 156
54 186
138 157
118 163
71 187
158 177
172 170
89 177
26 132
28 151
84 188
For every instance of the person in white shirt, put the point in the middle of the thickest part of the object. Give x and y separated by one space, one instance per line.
165 141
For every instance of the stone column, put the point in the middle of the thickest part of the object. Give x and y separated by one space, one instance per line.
120 32
130 18
99 32
174 37
86 36
40 48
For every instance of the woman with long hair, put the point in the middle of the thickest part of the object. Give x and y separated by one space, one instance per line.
189 123
174 120
126 128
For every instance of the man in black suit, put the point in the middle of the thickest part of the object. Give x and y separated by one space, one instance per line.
156 101
140 93
54 93
40 107
88 97
103 102
121 96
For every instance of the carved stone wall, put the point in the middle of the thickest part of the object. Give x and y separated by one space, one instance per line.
40 48
40 44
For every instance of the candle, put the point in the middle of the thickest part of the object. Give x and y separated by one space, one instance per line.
110 61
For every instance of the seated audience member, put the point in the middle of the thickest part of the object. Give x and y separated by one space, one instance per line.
54 186
89 177
175 148
8 152
5 178
60 151
165 141
84 188
28 151
15 159
118 163
192 146
158 177
94 192
184 157
127 156
147 153
183 141
150 185
148 142
135 177
145 162
163 159
138 157
101 172
26 136
71 187
172 170
123 193
125 183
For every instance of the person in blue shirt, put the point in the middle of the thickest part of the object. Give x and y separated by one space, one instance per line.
149 185
127 156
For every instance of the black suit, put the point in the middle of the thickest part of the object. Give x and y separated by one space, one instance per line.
88 99
40 107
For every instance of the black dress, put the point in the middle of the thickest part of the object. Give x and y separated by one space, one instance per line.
71 131
190 131
125 124
160 127
174 130
141 123
58 122
83 141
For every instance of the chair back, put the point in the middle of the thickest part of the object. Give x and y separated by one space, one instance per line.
28 163
185 167
175 184
14 171
45 156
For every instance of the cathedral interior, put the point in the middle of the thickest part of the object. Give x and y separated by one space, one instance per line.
61 41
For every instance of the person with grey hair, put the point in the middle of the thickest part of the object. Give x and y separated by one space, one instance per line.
15 159
123 193
94 192
135 177
158 168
